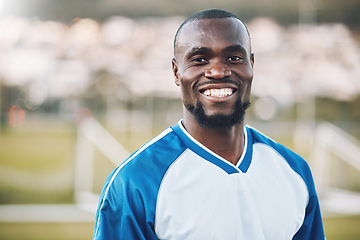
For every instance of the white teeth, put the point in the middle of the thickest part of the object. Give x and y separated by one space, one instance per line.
223 92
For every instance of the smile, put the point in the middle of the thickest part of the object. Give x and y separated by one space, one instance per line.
215 92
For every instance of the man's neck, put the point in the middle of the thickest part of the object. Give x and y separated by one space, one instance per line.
226 142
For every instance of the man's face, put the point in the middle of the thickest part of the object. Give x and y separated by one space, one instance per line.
213 66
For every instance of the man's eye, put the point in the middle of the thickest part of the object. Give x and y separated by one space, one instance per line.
234 58
199 60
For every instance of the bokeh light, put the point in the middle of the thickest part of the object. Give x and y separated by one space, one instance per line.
16 116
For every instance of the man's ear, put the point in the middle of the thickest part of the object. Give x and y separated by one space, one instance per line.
175 70
252 59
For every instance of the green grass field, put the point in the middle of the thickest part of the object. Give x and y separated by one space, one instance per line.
42 231
340 228
46 156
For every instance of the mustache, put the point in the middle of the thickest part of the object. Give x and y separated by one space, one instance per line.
219 81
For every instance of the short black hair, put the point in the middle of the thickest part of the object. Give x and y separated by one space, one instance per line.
207 14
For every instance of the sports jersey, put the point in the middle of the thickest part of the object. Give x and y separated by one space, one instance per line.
175 188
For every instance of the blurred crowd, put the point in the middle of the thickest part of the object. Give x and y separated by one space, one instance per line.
47 59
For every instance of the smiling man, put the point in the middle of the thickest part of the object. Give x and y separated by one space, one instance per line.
213 65
210 176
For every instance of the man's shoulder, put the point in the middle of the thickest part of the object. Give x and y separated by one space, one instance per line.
154 157
296 162
259 137
165 145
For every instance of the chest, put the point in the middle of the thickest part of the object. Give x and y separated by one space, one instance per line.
198 200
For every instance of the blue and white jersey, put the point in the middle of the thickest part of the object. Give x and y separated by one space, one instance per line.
176 188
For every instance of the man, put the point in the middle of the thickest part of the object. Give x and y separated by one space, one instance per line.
210 176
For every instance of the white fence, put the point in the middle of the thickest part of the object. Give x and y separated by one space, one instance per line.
330 141
91 134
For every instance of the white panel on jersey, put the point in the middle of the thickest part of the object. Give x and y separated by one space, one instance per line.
280 193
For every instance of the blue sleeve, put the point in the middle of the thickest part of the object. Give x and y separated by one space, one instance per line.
312 227
121 211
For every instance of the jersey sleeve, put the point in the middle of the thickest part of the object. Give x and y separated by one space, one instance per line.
312 227
121 212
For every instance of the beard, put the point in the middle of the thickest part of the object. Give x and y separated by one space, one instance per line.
218 121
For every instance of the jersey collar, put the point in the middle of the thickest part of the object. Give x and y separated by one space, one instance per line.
195 146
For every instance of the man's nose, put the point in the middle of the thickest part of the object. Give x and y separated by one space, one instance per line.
217 70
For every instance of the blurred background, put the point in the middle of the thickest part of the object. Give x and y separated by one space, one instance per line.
83 83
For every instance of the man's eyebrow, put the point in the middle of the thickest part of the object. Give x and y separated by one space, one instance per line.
235 48
205 50
198 50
